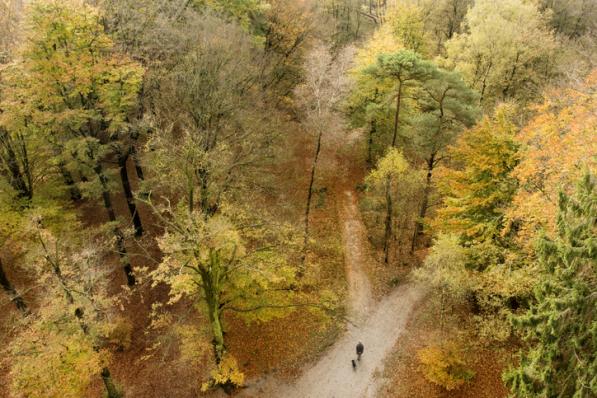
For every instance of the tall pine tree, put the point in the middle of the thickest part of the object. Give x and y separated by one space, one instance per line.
560 326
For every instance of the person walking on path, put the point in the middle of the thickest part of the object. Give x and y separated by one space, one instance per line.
360 349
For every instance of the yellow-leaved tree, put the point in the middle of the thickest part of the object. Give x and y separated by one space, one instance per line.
557 146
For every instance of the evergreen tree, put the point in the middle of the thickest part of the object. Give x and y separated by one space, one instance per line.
404 69
560 326
449 107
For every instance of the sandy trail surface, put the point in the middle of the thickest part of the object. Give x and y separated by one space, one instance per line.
377 324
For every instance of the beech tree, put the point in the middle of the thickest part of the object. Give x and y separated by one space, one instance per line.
506 51
286 27
208 130
11 222
10 14
560 328
445 270
212 262
82 105
244 11
444 20
573 18
64 345
556 145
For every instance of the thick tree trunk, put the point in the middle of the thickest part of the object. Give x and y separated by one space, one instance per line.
310 197
111 389
120 245
128 193
12 292
388 222
210 284
217 331
424 203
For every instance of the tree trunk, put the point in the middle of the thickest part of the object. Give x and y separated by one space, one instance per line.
310 197
204 193
111 389
210 283
16 177
67 177
397 115
120 245
12 292
372 132
139 171
128 193
425 202
217 331
137 162
388 222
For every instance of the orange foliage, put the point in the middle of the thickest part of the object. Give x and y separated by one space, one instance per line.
558 144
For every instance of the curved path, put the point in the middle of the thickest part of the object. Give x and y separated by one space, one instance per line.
377 324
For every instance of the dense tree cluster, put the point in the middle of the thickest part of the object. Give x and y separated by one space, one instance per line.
139 147
186 94
483 119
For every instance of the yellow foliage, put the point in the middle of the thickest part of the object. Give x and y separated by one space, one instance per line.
53 358
226 374
444 366
558 146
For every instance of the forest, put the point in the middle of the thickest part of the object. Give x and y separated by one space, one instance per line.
213 198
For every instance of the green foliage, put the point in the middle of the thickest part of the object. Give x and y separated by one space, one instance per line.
447 106
559 328
399 75
506 51
445 366
401 66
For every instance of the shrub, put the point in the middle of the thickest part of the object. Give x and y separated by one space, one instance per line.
444 366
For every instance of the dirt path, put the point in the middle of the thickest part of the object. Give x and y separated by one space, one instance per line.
377 325
355 256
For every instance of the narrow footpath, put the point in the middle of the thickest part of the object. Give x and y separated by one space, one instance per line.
378 325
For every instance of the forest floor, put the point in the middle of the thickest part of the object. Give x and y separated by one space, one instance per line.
402 373
377 324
